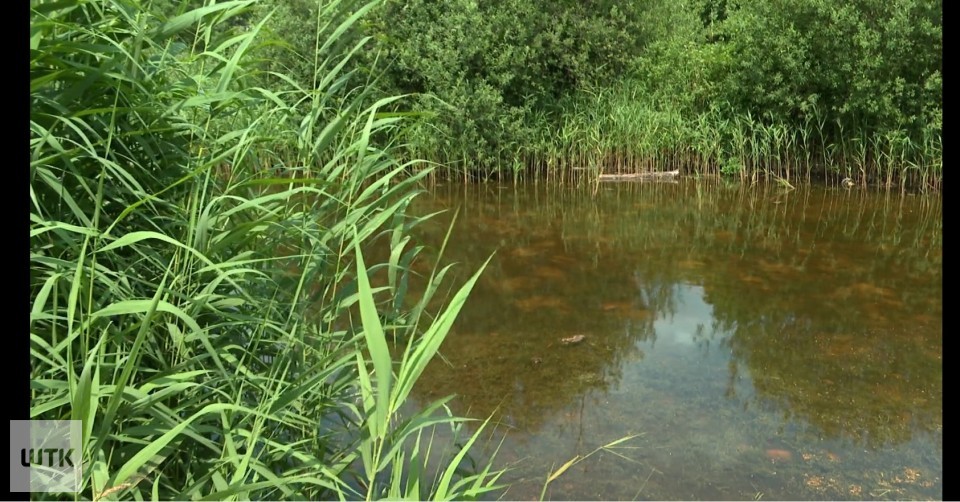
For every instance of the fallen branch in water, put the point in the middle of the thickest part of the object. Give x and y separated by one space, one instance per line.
639 176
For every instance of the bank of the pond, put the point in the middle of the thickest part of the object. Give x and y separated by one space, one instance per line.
614 137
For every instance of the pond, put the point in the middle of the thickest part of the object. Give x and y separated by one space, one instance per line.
752 342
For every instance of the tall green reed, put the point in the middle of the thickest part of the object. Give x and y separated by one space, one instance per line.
195 311
621 127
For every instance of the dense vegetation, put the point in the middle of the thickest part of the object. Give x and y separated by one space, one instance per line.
786 87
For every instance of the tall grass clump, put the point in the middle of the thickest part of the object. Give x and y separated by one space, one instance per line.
198 295
628 127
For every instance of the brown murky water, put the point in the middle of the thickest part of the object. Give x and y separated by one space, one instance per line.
762 344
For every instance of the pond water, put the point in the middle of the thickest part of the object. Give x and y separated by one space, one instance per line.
753 343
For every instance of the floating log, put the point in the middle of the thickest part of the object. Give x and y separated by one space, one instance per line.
640 176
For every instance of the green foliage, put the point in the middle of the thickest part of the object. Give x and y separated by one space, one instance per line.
196 310
869 65
485 69
530 84
805 86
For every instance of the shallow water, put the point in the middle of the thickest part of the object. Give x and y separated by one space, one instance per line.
761 344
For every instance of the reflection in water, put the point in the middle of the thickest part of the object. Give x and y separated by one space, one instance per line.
767 344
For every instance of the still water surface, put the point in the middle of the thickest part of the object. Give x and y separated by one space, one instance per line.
761 344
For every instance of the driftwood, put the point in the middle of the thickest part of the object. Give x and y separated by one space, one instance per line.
640 176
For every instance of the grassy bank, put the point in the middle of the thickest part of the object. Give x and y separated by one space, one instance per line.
198 294
622 130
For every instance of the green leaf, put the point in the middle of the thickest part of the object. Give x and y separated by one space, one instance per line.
188 19
376 345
